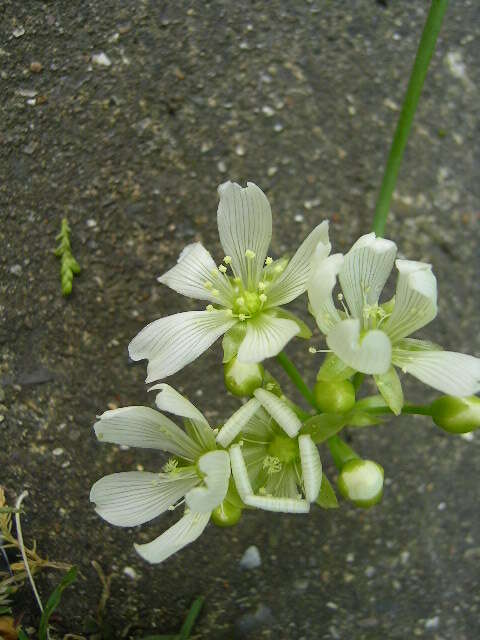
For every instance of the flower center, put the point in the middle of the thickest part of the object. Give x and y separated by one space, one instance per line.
283 448
247 303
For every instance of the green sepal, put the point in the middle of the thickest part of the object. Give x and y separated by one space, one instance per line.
324 426
54 601
232 340
201 433
363 419
334 370
327 498
369 402
390 387
305 331
271 384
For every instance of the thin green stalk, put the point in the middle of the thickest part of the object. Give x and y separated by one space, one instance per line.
419 71
296 378
416 409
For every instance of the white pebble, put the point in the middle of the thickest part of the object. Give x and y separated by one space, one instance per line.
432 623
91 223
130 572
298 217
441 506
16 270
251 558
221 166
58 451
268 111
101 59
18 32
278 127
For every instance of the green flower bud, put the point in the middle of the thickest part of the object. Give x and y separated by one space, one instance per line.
241 378
361 481
456 415
334 397
226 514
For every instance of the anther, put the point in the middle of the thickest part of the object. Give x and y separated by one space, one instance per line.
208 285
250 254
227 259
261 286
263 298
268 261
209 307
222 268
242 317
312 350
215 292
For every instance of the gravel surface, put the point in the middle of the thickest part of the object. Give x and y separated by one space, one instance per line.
124 117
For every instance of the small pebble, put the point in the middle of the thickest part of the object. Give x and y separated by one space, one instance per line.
268 111
441 506
16 270
298 217
91 223
36 67
332 605
432 623
101 59
370 572
58 451
405 557
18 32
221 166
240 150
278 127
130 572
251 558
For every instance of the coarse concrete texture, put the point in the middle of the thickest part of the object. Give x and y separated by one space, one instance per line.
125 116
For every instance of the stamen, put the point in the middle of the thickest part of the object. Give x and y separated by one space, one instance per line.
268 261
270 386
340 299
227 259
209 307
263 298
215 292
222 268
170 466
208 285
313 350
242 317
272 465
261 286
250 254
172 507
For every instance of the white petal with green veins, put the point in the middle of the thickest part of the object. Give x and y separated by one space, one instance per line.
370 353
265 337
280 412
215 467
234 425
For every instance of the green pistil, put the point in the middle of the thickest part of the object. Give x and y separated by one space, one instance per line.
247 303
283 448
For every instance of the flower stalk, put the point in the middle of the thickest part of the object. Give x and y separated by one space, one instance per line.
414 89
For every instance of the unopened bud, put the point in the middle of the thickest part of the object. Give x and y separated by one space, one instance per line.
334 397
456 415
242 378
361 482
226 514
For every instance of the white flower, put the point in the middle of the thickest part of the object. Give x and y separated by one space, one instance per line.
245 301
197 474
371 337
274 467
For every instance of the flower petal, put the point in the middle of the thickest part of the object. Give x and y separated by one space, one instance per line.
237 421
245 224
266 336
283 505
173 342
370 353
215 466
146 428
320 287
133 497
185 531
365 271
239 472
415 299
170 400
196 276
283 415
456 374
311 467
293 281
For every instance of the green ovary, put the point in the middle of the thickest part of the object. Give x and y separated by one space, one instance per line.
247 303
283 448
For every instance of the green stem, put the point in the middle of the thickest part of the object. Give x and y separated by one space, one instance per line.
416 409
419 71
296 378
340 451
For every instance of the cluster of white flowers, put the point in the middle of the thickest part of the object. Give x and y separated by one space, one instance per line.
263 457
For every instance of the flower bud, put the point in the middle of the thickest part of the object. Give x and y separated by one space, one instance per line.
334 397
226 514
456 415
361 481
242 378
